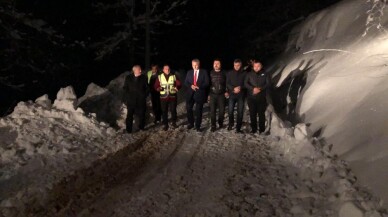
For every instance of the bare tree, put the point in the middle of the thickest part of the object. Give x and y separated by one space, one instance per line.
144 16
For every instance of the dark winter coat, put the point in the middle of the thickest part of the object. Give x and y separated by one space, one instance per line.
153 79
217 82
135 90
235 79
257 79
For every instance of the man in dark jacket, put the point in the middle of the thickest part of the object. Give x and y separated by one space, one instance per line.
257 83
235 85
135 94
155 95
217 94
197 81
168 85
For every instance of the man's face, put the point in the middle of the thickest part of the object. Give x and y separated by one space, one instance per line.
154 69
237 66
195 65
217 65
137 71
166 70
257 67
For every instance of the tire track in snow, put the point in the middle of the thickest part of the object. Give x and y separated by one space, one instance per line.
87 185
226 174
206 184
173 162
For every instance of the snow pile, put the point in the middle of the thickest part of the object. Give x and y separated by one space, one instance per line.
319 167
277 127
302 132
333 76
44 101
108 105
295 143
66 99
42 145
92 91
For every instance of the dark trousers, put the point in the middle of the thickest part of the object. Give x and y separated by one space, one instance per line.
217 101
156 106
240 111
198 112
139 111
168 105
257 107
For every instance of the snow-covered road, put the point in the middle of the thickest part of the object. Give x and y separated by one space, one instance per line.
228 174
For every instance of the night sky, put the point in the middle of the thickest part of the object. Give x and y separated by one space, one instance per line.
210 29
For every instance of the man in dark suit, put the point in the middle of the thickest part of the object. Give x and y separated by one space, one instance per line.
197 81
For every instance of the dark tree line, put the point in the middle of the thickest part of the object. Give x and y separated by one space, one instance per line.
47 44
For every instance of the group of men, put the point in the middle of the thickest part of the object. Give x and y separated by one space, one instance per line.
236 86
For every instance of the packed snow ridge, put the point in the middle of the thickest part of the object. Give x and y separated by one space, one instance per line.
333 76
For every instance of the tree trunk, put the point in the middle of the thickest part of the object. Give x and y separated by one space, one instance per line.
148 38
131 38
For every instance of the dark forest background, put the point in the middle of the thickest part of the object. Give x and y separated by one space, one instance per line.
45 45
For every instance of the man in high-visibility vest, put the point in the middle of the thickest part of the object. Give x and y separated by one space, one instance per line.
155 96
168 85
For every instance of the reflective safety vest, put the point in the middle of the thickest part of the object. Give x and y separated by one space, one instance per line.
149 74
168 87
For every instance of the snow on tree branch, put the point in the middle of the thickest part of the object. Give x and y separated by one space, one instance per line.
15 17
165 13
110 44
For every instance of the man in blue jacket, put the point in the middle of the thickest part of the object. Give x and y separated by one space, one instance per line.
197 81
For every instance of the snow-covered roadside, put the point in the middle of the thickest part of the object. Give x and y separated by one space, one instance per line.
43 144
330 182
50 153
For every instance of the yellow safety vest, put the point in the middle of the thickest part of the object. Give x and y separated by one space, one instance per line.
149 74
168 86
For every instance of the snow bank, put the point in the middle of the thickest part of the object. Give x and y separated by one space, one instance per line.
42 145
317 164
66 99
107 105
333 76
